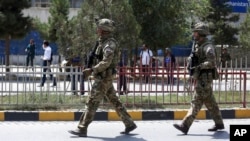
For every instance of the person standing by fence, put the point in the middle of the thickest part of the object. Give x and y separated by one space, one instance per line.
224 58
146 62
30 50
75 76
169 64
123 72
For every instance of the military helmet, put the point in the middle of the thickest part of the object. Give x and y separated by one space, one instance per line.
106 25
201 28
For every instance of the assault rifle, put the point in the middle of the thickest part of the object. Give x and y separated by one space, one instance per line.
193 60
91 56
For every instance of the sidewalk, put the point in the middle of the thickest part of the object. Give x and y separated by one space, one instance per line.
112 116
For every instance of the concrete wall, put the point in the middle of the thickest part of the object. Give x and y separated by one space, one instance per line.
20 60
43 13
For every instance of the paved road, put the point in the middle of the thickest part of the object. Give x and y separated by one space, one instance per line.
109 131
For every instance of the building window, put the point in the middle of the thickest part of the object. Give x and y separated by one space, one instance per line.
75 3
46 3
42 3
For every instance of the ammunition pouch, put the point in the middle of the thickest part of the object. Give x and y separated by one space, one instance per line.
107 73
195 72
213 73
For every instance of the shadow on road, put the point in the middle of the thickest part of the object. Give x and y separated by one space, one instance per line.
129 137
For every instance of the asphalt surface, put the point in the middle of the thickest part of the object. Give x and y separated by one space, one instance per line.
162 130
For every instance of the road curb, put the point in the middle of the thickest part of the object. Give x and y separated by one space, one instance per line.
112 116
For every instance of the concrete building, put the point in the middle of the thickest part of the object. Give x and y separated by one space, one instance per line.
40 9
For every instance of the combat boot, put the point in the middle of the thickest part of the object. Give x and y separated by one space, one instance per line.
129 129
79 132
184 129
216 127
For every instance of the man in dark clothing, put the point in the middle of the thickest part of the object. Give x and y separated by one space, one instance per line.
122 73
224 58
169 64
30 50
76 67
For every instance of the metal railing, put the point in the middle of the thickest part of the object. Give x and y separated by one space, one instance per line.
18 88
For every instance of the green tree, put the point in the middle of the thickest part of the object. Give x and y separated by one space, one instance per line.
221 21
41 27
244 32
59 11
83 29
58 27
195 10
2 17
14 25
65 39
127 28
163 23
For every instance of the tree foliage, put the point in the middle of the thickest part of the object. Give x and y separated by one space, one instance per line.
120 12
2 18
164 23
244 32
41 27
59 11
222 22
58 27
13 24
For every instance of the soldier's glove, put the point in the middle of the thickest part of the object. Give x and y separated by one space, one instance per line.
87 72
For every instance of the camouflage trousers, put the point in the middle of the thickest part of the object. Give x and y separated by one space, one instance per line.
203 95
103 88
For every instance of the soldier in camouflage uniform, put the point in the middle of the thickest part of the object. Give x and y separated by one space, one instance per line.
204 74
103 72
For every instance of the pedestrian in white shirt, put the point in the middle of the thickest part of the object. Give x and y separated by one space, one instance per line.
47 60
146 61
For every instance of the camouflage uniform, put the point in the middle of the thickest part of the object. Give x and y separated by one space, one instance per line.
203 89
204 74
103 72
